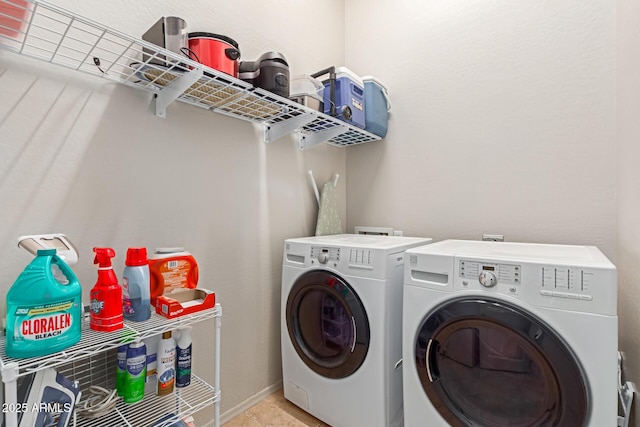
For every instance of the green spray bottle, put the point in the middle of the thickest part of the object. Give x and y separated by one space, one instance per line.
135 372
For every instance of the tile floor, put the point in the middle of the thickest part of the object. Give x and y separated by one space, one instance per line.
275 411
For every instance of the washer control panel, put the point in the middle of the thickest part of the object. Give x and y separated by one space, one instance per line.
360 257
490 274
324 254
566 282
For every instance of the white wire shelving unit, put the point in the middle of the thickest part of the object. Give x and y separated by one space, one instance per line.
92 362
43 31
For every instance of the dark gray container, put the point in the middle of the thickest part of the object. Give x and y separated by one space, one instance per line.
169 33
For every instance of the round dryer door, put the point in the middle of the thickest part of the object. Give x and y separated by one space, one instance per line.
484 362
327 324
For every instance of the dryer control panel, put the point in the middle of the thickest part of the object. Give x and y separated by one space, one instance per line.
559 286
563 277
503 273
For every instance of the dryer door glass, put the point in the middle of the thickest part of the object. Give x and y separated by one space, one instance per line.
486 363
327 324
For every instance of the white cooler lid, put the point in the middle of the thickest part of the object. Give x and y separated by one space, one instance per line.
345 72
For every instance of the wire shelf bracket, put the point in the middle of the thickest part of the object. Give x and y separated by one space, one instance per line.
307 140
275 131
175 89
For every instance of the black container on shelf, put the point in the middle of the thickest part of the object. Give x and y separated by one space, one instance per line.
270 72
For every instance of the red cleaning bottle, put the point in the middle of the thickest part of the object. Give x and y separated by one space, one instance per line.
106 295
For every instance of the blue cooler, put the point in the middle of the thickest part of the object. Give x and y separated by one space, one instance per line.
376 98
349 102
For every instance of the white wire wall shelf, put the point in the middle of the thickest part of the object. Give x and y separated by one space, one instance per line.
45 32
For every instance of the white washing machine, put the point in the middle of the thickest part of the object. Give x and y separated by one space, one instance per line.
341 327
509 334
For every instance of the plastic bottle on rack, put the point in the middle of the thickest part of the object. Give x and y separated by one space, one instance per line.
135 286
121 368
136 372
106 295
166 362
151 383
44 313
183 358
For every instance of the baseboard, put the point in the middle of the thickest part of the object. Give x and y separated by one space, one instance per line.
243 406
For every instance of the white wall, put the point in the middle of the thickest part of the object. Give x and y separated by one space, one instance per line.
628 250
502 121
88 158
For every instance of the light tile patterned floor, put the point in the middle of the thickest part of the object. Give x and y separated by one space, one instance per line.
275 411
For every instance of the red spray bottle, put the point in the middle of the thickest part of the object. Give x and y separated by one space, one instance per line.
106 295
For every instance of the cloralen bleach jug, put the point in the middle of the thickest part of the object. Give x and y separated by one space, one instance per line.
44 308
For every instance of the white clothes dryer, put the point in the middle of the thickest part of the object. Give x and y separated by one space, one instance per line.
341 327
509 334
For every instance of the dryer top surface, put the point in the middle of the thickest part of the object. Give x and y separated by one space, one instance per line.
363 241
589 256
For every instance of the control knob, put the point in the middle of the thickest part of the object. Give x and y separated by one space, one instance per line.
323 258
488 279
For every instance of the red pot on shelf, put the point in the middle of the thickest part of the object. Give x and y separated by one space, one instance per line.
215 51
13 16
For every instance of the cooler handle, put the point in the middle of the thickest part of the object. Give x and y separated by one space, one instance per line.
332 88
386 98
383 89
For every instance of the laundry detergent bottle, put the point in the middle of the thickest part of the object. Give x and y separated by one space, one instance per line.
136 304
106 295
44 308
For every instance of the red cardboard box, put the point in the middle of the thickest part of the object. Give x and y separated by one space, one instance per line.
184 301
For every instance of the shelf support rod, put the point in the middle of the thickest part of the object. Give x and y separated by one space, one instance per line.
306 140
10 373
173 90
216 367
275 131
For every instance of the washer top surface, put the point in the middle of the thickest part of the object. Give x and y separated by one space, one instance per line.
362 241
535 252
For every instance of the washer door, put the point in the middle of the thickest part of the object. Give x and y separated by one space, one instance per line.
327 324
488 363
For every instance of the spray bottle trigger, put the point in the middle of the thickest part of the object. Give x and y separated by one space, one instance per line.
103 256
